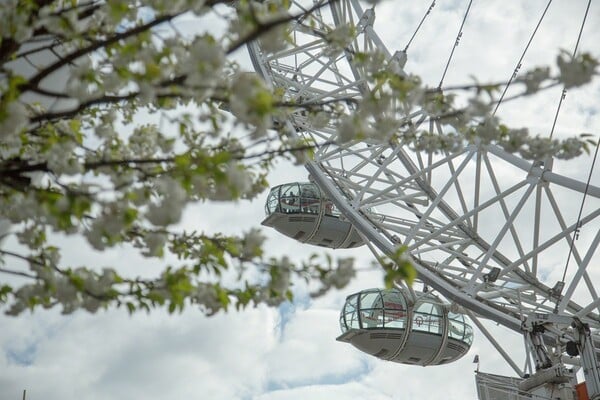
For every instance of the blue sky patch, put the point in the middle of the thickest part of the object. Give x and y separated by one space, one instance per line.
24 356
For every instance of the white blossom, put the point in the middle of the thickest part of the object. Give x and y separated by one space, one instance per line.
155 241
205 62
384 128
252 244
343 274
30 236
91 304
375 62
16 308
251 101
374 106
576 71
570 148
539 148
275 39
281 278
15 119
427 141
21 207
477 108
105 131
338 277
14 122
319 119
143 142
353 127
95 237
515 139
107 226
239 178
488 131
237 184
254 13
169 206
146 92
14 21
112 82
201 186
206 296
61 158
108 277
65 23
301 156
65 292
533 79
339 38
105 128
78 85
94 283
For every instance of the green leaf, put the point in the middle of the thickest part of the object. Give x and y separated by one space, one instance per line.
5 290
130 307
156 297
77 281
222 296
399 269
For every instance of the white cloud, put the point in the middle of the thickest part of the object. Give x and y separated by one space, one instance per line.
145 356
308 350
348 391
261 353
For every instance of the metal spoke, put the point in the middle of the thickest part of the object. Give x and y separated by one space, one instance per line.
484 226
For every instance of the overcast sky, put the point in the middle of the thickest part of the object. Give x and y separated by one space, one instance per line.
290 352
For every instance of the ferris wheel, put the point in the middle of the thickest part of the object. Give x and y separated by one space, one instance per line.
501 238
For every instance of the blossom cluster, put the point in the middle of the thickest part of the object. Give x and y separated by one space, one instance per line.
79 155
113 121
380 115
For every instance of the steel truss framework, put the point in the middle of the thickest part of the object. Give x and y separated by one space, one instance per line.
487 229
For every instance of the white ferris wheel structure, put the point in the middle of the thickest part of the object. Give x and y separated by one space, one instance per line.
500 237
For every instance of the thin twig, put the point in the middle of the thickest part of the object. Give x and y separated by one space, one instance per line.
18 273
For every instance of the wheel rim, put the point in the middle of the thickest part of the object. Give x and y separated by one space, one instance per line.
461 215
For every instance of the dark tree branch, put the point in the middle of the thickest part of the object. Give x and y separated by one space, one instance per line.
70 58
17 273
263 27
7 45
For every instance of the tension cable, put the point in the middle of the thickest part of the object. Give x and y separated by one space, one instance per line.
564 91
419 27
519 63
456 42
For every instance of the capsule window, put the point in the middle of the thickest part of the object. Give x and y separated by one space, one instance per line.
371 300
272 204
456 326
299 198
371 310
310 201
394 310
289 201
428 317
375 309
350 315
468 334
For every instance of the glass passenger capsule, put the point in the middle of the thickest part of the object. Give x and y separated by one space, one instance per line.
385 324
300 210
